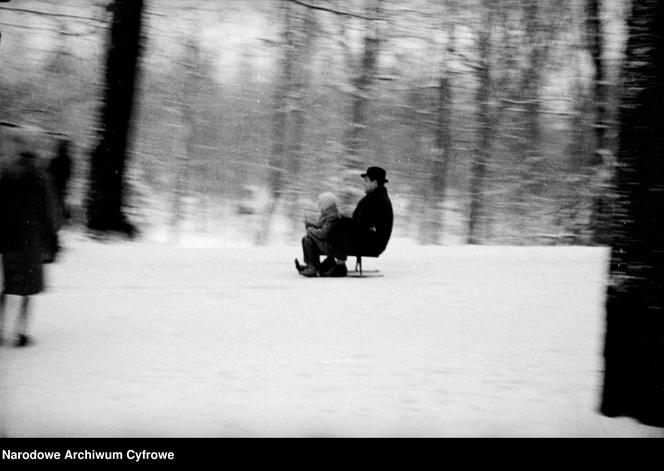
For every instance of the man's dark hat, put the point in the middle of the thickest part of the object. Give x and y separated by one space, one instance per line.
375 174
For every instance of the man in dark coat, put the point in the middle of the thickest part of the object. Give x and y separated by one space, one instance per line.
373 217
28 235
369 230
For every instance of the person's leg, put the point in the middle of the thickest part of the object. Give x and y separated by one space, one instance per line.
327 264
335 265
340 260
298 266
3 298
310 252
336 269
22 338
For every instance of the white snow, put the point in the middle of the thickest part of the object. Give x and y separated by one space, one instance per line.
213 339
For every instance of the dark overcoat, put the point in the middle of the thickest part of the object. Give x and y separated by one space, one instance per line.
368 231
372 223
28 226
59 170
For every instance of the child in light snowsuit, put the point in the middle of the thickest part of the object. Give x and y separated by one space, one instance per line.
317 240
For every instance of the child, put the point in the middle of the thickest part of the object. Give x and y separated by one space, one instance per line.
316 242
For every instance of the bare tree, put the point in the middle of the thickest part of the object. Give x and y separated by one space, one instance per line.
532 178
299 91
290 101
277 177
634 342
107 165
603 163
189 115
441 156
355 139
478 218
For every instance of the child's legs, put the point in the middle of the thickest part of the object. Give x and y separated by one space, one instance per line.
310 251
3 297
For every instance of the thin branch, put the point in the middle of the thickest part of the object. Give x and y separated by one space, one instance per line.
53 15
31 128
52 29
336 12
14 25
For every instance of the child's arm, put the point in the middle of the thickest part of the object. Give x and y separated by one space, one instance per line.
313 222
321 231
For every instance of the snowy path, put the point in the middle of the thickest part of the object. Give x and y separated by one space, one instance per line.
152 340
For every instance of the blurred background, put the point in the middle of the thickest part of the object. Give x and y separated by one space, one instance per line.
495 120
498 123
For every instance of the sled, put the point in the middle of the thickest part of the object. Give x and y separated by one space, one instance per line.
357 274
364 273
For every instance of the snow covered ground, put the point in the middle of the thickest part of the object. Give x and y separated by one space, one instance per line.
153 340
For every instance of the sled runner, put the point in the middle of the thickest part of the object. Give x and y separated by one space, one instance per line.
365 273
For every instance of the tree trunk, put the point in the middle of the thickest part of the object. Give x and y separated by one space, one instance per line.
107 166
634 342
602 163
439 163
596 46
355 140
477 218
278 155
184 156
531 181
297 152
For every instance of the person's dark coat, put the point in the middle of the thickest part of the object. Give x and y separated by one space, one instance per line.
28 226
372 222
60 169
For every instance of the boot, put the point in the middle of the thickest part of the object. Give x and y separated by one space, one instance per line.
298 266
309 271
337 271
327 265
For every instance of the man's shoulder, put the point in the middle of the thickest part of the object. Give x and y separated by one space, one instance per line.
381 194
375 198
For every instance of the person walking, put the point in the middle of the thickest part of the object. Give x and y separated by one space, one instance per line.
60 168
29 236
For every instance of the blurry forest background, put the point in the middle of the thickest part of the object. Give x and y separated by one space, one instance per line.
495 120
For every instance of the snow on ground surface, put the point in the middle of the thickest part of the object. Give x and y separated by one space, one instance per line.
154 340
